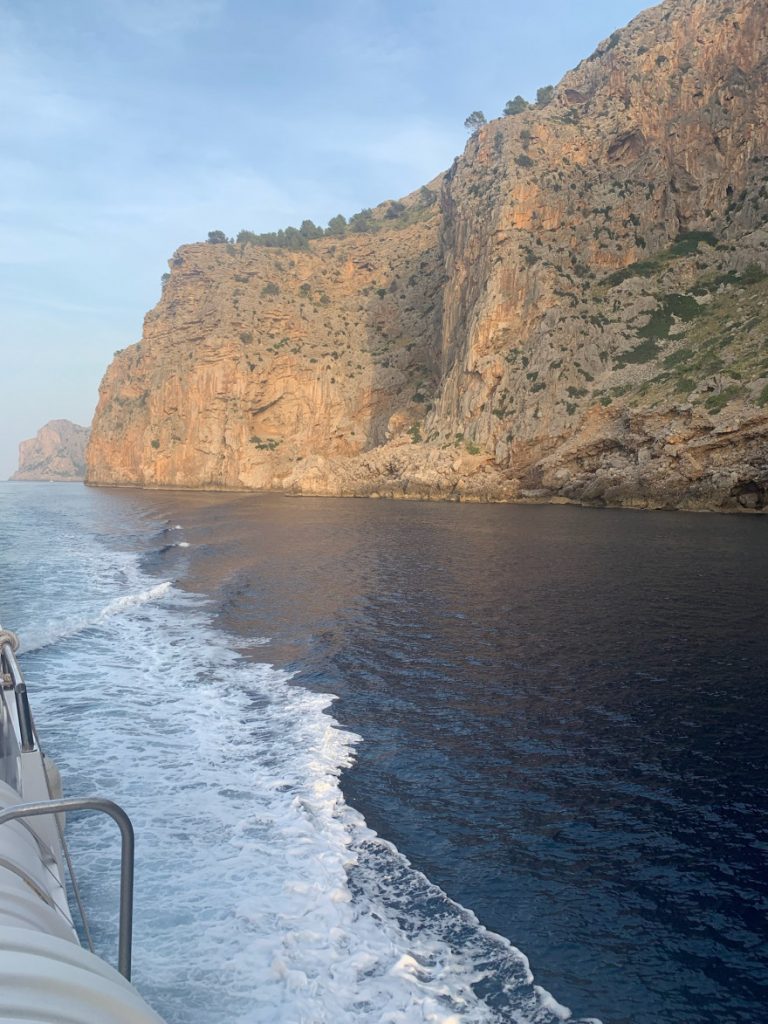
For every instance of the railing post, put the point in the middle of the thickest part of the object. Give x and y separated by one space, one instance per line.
26 731
97 803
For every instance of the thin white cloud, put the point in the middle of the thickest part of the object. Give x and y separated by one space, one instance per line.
35 107
16 172
376 55
419 146
414 148
159 19
368 33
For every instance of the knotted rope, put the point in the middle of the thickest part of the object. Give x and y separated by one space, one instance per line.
7 636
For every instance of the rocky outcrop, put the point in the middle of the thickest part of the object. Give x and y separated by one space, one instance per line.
581 316
56 452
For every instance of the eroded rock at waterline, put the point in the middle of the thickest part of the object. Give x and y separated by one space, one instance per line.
580 314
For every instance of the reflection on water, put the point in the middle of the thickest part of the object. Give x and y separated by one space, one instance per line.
563 717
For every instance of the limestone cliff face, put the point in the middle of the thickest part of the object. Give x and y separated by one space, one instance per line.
56 452
582 316
259 364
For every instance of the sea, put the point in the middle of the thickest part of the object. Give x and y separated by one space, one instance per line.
404 762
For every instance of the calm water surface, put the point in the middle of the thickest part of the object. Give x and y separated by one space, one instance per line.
562 715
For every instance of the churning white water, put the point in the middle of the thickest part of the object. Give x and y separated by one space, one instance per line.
261 896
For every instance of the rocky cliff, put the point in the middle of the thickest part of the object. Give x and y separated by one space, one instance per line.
56 452
581 314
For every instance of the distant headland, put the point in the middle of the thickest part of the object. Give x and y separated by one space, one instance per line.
55 453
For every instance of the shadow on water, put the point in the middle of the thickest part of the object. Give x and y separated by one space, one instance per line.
563 718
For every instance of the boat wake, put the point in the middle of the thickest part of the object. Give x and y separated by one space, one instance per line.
36 639
262 896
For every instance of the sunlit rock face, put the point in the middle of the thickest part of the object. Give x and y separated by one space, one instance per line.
579 315
56 452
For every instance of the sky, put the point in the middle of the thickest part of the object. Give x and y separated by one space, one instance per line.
130 127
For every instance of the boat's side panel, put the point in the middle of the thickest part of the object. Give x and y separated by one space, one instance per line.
24 859
45 975
35 785
21 907
10 755
43 978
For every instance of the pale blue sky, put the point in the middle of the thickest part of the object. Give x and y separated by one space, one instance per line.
128 127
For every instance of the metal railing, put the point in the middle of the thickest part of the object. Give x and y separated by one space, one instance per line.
8 642
97 803
12 679
10 668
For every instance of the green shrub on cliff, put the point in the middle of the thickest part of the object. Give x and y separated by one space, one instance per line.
685 244
289 238
310 230
337 226
267 444
285 238
715 403
363 221
515 106
475 120
641 353
673 306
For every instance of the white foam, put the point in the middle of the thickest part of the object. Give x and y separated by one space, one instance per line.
66 628
122 604
262 897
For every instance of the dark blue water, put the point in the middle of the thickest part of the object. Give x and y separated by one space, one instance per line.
564 720
563 715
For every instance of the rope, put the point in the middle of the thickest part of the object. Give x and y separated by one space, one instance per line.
7 636
75 886
65 849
